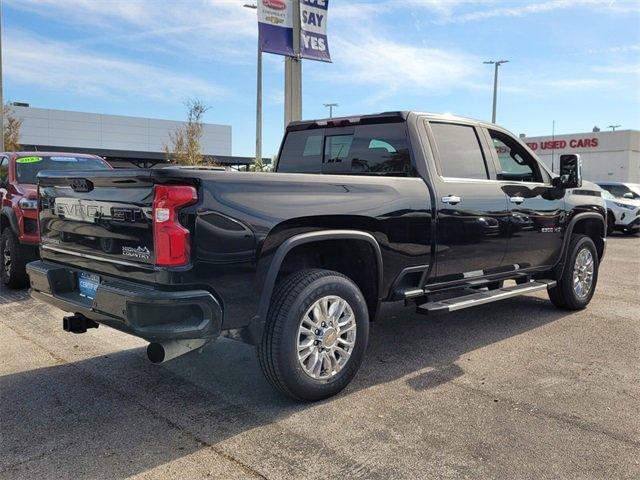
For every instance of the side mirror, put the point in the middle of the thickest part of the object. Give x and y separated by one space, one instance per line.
628 195
570 172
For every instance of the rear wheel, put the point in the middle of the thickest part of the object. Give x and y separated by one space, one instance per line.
13 260
578 282
315 335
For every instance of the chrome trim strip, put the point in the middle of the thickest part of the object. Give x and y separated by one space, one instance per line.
413 293
94 257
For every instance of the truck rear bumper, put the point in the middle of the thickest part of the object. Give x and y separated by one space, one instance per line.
155 315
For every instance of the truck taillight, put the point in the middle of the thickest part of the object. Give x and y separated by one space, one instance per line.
171 240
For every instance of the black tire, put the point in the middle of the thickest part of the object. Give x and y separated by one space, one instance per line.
277 352
611 224
563 294
13 275
629 232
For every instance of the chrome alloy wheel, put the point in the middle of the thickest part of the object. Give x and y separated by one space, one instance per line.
326 337
583 273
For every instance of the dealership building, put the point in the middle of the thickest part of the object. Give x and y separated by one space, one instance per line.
123 141
606 156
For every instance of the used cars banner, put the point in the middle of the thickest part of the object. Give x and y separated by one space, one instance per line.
313 30
275 26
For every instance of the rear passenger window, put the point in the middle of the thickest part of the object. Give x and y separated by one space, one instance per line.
302 152
459 151
364 150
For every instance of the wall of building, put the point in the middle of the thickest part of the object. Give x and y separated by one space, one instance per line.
613 156
116 132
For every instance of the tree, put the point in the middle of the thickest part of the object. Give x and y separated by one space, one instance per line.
258 166
185 140
12 125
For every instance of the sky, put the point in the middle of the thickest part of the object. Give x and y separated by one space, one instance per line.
575 62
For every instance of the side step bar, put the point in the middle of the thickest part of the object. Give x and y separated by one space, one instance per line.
479 298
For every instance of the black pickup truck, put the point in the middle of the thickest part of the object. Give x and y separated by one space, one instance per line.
436 211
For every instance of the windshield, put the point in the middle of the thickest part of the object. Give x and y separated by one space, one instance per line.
607 195
27 168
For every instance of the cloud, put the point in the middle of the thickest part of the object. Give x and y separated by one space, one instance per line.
364 58
624 69
203 29
62 67
456 11
519 10
616 49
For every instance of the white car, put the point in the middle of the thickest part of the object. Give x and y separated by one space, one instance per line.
621 190
622 214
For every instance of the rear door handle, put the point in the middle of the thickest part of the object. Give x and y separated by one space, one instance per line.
451 199
517 200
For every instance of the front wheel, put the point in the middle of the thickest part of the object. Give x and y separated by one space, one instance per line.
13 260
315 334
578 282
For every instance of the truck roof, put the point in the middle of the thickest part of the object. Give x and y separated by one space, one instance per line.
382 117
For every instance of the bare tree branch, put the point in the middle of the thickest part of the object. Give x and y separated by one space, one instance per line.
185 146
12 125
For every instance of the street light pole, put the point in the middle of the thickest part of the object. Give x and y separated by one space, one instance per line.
259 108
258 97
497 64
330 106
613 127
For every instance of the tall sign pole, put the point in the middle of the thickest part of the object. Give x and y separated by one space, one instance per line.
296 29
293 74
258 95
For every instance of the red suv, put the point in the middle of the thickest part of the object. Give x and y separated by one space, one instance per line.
19 236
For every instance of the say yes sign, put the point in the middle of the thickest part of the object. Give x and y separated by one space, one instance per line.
313 30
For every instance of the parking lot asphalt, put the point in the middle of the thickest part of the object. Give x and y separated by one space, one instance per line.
515 389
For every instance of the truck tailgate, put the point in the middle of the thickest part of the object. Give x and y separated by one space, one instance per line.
106 215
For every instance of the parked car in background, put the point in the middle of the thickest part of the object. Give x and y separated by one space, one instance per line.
628 191
622 214
435 210
19 204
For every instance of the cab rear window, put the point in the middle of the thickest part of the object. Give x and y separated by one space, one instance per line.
27 167
361 150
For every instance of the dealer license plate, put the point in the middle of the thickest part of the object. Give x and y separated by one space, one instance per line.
88 285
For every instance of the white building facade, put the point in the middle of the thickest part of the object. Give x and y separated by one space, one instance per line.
606 156
79 130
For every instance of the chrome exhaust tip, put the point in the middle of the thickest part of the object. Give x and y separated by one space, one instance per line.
160 352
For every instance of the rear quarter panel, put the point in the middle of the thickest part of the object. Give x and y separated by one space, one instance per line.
245 217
